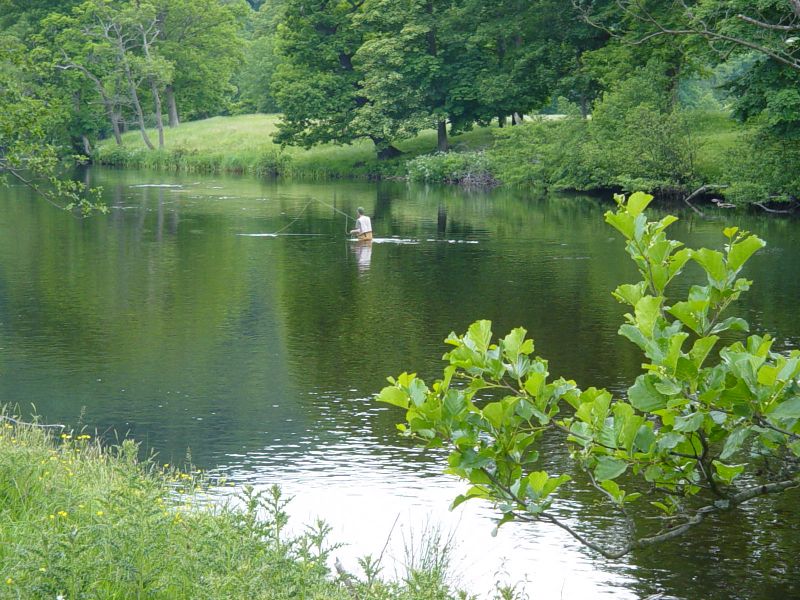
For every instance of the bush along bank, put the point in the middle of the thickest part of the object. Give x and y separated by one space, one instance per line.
82 520
639 138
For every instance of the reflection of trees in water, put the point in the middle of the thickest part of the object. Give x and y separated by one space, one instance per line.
135 299
171 298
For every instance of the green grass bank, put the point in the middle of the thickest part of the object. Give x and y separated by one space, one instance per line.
84 520
244 144
623 147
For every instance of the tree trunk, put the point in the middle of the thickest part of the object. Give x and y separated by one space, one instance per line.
137 105
172 106
115 119
101 89
134 94
516 119
442 145
501 121
87 147
159 116
139 114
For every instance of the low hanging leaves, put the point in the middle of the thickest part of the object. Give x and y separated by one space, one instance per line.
691 424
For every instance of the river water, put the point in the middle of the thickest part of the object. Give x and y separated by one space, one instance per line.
229 320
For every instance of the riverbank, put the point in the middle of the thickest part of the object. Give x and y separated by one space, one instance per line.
619 149
83 519
244 144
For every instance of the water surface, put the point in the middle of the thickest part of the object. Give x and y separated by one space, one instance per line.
230 321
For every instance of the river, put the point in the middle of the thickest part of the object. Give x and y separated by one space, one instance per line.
228 321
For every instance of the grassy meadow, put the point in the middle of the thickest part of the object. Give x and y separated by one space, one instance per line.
244 144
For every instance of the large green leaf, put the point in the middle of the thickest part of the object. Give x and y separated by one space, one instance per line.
622 222
515 343
712 262
637 202
480 334
740 252
689 423
648 309
393 395
644 396
691 313
701 348
609 468
629 293
789 409
495 413
734 441
728 473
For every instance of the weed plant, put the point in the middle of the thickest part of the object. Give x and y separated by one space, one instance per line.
82 520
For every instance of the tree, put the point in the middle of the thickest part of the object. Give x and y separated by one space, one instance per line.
254 80
29 114
316 85
413 58
203 42
770 27
704 429
110 43
765 36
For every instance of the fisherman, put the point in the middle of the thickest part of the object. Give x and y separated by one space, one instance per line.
363 227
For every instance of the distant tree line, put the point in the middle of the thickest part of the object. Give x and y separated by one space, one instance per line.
342 70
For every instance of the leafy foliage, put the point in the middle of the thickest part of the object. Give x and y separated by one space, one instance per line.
466 168
704 428
28 114
653 145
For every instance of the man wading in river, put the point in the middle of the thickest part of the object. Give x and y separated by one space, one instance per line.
363 227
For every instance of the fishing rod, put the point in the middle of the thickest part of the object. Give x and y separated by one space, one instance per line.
297 218
346 216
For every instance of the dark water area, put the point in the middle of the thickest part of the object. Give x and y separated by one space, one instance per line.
179 319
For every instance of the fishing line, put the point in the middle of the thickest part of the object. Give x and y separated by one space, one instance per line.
297 218
346 216
300 214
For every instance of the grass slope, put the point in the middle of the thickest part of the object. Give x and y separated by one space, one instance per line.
244 144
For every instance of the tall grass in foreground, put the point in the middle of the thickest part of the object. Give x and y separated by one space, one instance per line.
81 520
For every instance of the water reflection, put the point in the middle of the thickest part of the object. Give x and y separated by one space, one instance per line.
363 251
184 318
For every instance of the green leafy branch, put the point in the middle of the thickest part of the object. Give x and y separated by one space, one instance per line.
684 443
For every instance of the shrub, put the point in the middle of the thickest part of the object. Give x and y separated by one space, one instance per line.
711 423
465 168
764 168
